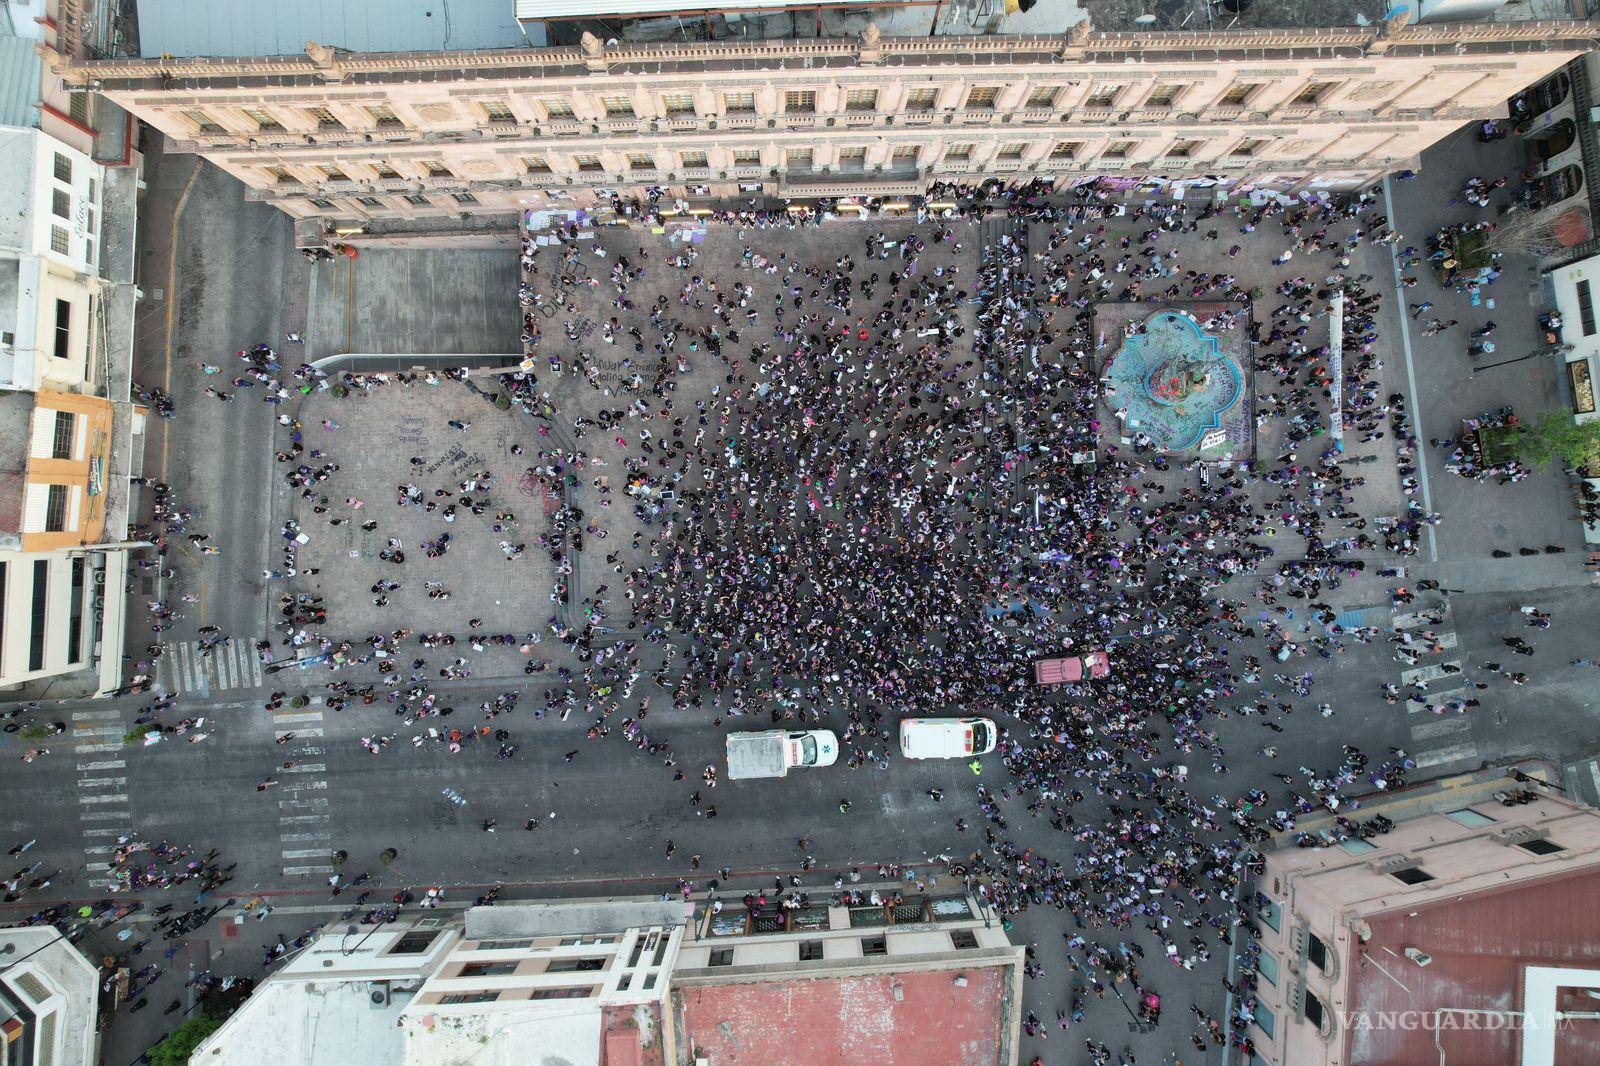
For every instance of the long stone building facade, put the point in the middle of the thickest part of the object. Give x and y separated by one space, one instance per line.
416 140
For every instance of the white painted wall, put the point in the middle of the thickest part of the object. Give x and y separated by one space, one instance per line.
1576 289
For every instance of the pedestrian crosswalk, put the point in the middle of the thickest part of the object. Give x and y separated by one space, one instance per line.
96 732
1443 736
105 809
305 839
187 667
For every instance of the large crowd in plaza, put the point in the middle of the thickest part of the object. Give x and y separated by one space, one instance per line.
879 513
847 513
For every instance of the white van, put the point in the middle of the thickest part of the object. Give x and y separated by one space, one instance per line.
772 752
946 738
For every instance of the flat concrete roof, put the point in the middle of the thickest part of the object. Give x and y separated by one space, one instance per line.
19 81
16 437
249 28
65 970
321 1024
569 919
559 1033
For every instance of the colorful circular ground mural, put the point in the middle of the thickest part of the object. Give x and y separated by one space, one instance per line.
1177 385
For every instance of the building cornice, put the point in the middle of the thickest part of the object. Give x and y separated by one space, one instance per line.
325 65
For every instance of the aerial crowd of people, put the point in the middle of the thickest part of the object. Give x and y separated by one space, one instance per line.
903 485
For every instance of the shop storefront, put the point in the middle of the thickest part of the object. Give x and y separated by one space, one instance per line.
1573 291
1538 99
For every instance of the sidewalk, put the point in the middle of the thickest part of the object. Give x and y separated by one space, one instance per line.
1478 517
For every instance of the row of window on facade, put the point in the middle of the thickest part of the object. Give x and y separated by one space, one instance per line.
39 609
61 335
795 159
61 208
1315 949
1102 95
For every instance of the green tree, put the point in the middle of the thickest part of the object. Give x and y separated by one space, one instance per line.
137 734
1554 435
178 1045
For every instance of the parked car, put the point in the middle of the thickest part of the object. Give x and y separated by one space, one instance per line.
947 738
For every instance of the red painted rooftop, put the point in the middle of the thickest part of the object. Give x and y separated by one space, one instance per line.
621 1043
1479 947
847 1021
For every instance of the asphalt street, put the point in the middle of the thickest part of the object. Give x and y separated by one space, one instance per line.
606 815
235 281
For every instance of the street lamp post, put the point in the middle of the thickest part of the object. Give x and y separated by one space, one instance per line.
1508 362
11 949
1138 1025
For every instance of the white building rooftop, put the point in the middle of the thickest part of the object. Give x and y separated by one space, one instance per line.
530 1034
49 978
309 1024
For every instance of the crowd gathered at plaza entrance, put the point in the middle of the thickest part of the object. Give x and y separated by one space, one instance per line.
905 485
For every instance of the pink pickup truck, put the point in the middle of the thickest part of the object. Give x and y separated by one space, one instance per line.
1071 668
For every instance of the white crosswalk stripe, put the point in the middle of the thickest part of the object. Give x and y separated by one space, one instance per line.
1421 649
1430 673
104 812
1435 699
1454 753
185 667
283 717
1442 727
314 731
95 716
1437 739
1428 616
303 836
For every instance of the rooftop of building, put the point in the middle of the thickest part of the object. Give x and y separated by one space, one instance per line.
250 28
20 70
16 434
17 231
64 971
1193 15
236 28
550 1031
1479 947
935 1018
570 918
333 1023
